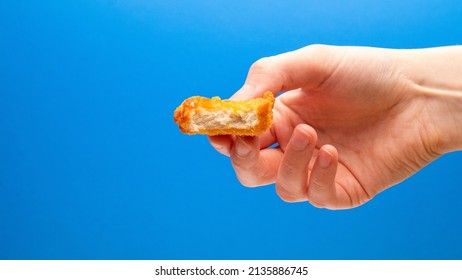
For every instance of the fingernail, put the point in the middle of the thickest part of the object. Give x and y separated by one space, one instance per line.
242 149
300 142
325 159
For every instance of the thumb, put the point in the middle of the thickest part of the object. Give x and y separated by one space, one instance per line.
307 67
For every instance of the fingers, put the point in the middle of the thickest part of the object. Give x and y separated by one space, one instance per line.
222 143
321 187
294 181
307 67
303 68
254 167
291 184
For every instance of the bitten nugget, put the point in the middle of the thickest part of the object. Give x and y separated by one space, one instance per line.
200 115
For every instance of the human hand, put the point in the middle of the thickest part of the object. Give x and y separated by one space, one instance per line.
352 121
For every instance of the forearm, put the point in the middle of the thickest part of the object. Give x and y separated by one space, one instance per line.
435 74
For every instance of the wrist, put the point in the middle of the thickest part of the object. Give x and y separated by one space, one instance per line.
435 76
447 119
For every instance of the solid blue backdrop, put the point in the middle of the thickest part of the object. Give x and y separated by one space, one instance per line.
93 167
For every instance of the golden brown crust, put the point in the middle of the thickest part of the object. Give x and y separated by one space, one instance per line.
194 106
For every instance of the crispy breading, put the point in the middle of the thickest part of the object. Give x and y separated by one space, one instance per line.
201 115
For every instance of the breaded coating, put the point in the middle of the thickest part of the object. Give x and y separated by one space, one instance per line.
201 115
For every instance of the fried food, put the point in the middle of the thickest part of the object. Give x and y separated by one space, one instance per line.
200 115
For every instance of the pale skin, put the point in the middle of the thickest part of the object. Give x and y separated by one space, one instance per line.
349 122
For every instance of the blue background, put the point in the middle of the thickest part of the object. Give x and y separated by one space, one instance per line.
92 165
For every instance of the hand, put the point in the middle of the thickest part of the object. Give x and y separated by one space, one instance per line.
352 121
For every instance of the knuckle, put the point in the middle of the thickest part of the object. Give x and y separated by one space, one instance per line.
319 48
246 182
222 150
317 183
286 195
244 160
243 154
250 177
261 65
289 170
316 194
318 203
